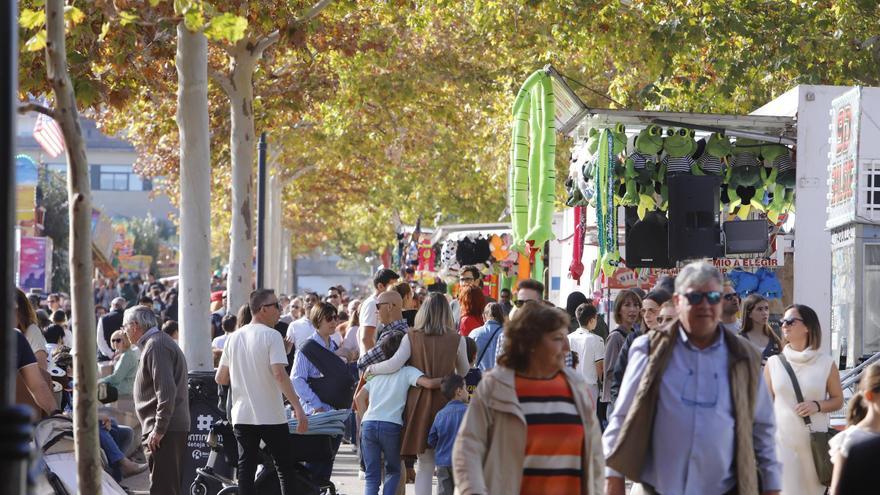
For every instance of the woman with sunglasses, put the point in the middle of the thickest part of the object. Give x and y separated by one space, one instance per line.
125 364
755 329
819 382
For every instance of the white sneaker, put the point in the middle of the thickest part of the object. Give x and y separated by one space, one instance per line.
361 474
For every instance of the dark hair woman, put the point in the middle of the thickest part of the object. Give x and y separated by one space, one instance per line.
557 449
863 425
757 330
26 322
434 347
472 301
819 381
627 310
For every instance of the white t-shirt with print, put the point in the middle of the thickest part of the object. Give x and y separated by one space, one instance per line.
590 349
249 353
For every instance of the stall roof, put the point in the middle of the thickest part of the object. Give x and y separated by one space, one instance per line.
574 117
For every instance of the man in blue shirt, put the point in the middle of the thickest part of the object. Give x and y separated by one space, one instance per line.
693 415
442 435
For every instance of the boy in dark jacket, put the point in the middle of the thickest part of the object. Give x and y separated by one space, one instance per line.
445 428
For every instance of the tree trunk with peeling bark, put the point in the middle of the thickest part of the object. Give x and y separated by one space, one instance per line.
239 88
85 404
195 198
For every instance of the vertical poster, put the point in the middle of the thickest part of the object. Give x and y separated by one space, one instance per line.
34 265
843 159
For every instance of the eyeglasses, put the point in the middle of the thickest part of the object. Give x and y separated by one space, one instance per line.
712 296
333 296
115 340
272 304
466 279
665 319
731 296
789 321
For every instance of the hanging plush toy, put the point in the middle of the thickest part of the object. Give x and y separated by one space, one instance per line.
744 178
641 165
426 256
590 152
768 284
532 183
576 269
447 254
678 150
575 185
743 282
606 209
715 157
781 179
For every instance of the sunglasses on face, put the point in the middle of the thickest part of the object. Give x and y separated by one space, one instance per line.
272 304
789 321
731 297
712 296
665 319
115 340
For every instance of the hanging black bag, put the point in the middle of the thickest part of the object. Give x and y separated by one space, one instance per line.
336 386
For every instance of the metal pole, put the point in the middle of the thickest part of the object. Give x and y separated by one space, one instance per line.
261 211
15 427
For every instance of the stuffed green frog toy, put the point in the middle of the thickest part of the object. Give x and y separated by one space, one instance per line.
745 178
715 158
640 167
678 149
781 179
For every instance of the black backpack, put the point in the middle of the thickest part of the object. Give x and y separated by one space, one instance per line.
336 387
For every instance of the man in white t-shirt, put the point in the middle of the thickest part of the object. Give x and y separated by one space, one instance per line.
369 313
589 347
253 364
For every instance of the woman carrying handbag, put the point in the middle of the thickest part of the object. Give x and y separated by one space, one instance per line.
805 386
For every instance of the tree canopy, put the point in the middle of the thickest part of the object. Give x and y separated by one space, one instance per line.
382 107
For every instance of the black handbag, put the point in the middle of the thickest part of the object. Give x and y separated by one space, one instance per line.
336 386
818 439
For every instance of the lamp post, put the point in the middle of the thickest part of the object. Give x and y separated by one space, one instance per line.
15 427
261 211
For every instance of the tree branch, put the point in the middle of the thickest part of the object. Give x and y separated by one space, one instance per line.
265 42
313 12
222 79
35 107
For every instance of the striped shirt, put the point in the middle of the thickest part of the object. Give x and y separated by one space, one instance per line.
555 438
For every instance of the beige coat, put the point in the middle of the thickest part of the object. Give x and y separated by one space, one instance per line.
490 449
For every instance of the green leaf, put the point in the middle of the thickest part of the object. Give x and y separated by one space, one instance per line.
105 28
194 20
153 3
126 17
227 27
30 19
73 14
37 42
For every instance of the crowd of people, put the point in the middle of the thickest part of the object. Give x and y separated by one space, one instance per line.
692 391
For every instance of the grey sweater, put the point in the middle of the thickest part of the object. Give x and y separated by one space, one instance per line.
161 396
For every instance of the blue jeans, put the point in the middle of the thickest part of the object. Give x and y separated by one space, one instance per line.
381 438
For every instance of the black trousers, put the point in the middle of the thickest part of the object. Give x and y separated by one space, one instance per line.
277 439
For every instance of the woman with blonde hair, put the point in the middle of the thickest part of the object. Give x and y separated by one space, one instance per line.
757 330
125 365
435 348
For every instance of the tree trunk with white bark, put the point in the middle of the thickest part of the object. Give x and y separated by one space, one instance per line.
85 403
195 198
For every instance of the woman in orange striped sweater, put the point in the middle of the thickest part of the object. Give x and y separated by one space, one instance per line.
530 427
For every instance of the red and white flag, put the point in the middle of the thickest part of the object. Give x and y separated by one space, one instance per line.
48 133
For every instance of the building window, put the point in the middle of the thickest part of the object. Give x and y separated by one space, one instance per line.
118 178
871 291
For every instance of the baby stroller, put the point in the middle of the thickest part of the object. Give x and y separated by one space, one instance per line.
220 480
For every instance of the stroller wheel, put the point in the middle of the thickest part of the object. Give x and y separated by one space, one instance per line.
198 488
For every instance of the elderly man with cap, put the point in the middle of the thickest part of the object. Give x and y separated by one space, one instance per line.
108 324
390 307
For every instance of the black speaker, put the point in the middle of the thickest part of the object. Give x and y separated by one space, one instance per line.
746 236
694 228
646 240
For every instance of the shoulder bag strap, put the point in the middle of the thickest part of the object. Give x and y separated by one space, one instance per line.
483 352
794 382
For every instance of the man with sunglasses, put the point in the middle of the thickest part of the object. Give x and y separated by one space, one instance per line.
730 309
693 415
252 364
